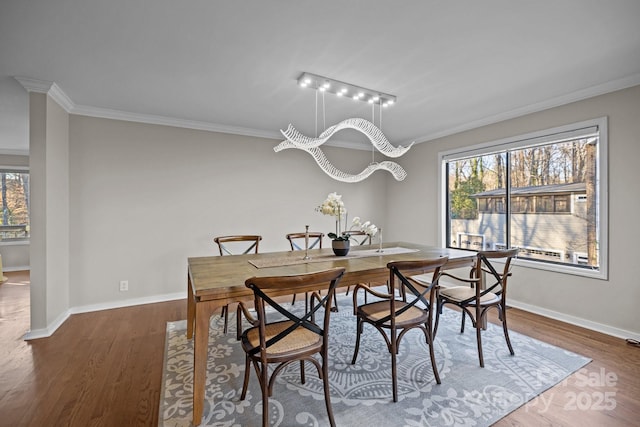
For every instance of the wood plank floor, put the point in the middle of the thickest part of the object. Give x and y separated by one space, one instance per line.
104 369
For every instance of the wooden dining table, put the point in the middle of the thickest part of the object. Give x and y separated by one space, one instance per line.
215 281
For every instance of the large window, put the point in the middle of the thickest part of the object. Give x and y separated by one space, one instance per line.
544 193
14 197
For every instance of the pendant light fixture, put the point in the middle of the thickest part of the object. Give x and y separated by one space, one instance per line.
295 139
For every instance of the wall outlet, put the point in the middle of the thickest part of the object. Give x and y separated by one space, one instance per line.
124 285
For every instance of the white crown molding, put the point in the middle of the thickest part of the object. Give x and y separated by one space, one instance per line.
58 95
105 113
61 98
51 88
590 92
34 85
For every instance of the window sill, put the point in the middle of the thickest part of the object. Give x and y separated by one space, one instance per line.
562 268
14 242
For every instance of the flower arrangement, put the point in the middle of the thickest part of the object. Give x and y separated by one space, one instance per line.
334 206
368 227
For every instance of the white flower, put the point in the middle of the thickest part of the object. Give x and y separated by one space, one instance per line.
371 230
333 206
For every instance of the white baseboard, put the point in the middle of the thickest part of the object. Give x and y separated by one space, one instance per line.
584 323
18 268
128 302
53 326
49 330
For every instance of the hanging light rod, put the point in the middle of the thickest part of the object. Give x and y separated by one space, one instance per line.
347 90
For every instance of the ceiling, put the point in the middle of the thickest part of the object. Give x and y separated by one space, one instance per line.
232 66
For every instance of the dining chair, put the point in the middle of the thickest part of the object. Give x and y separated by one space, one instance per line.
239 244
293 338
485 288
297 240
297 243
394 317
235 245
359 238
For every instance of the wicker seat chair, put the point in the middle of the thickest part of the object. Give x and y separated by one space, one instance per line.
296 338
297 243
236 245
393 317
485 288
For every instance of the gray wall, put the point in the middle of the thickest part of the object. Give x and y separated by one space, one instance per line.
143 198
606 305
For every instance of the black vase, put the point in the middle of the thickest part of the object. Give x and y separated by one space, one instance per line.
340 247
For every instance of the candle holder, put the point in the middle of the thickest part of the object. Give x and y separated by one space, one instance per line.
306 243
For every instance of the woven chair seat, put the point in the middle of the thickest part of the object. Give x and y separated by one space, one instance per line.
299 339
461 293
378 310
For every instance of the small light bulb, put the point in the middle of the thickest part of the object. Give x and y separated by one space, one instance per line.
370 101
376 99
344 90
355 97
391 102
360 95
322 88
326 85
339 94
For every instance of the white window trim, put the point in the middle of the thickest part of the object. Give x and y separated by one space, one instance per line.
541 137
21 242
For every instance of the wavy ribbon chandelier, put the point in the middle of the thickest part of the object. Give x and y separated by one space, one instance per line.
295 139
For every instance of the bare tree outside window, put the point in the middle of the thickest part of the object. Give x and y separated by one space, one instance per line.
548 206
15 205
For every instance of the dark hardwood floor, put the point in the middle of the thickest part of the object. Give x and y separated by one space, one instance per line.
104 369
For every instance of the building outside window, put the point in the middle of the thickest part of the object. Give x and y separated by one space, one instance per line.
542 193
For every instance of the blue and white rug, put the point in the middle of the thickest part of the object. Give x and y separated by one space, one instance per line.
361 394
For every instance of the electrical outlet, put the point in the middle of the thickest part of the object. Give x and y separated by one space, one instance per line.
124 285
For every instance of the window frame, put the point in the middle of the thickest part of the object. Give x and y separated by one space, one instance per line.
534 138
17 169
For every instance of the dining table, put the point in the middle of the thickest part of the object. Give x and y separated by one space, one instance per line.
215 281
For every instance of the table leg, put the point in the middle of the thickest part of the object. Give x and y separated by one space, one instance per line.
483 321
203 313
191 308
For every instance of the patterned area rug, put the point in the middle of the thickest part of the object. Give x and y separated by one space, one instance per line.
361 393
